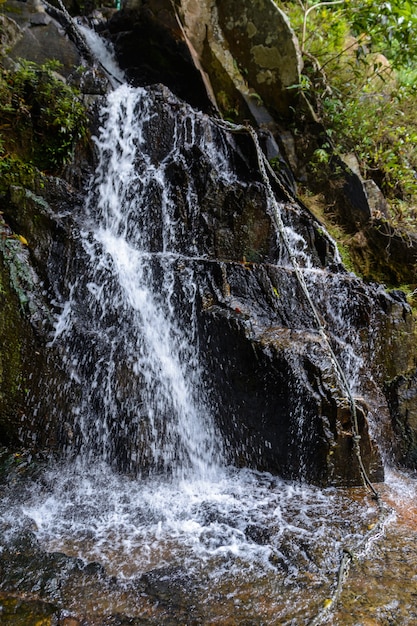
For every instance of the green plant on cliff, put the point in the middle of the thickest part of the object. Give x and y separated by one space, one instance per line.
43 119
359 59
15 171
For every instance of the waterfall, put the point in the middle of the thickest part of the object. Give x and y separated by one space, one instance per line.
144 488
140 399
146 515
130 329
129 340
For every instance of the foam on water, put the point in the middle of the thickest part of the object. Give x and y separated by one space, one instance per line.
244 518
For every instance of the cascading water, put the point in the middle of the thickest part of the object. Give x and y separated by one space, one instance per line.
103 52
146 405
235 542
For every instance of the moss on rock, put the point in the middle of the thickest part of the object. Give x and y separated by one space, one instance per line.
17 340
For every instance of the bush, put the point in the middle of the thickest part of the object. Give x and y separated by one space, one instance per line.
43 118
359 76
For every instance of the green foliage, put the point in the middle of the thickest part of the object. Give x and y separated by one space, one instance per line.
43 118
411 295
359 75
321 156
318 207
15 171
388 27
380 131
391 27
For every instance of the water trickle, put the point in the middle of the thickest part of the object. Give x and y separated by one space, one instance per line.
104 53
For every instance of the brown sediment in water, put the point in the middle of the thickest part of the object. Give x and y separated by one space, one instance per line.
382 586
226 589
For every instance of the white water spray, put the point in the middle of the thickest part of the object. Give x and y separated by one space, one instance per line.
103 51
148 338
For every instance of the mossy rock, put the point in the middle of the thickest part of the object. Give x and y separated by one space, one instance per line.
23 319
18 344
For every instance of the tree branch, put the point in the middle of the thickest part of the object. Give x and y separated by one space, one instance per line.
307 11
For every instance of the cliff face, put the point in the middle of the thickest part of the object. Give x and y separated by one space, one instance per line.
276 395
228 56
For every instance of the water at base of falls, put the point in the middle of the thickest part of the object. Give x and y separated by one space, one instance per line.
244 548
242 519
244 544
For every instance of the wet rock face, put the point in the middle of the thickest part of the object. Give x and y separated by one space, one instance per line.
19 354
274 389
150 47
277 395
402 395
33 286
